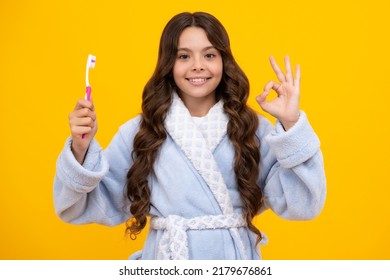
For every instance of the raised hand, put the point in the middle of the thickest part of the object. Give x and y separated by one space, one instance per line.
82 121
285 107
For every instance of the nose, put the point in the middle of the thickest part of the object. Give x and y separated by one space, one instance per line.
197 65
197 68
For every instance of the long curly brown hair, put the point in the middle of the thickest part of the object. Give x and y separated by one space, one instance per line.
156 100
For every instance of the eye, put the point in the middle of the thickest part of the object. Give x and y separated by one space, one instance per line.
183 56
210 55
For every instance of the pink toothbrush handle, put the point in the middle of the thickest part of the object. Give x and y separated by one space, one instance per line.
88 91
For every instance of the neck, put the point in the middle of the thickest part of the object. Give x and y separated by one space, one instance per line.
199 107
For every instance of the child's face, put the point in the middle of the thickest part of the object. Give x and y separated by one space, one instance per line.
198 67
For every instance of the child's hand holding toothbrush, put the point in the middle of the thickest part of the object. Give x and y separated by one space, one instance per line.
83 126
82 120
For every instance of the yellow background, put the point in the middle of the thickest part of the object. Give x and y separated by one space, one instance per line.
342 46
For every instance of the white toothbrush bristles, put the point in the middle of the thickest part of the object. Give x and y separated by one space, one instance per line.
91 62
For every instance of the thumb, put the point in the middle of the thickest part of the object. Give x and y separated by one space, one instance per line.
262 98
264 104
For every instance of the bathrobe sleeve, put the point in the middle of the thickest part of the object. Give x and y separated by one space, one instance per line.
292 170
94 192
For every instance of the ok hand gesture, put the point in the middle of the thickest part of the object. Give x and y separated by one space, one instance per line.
285 107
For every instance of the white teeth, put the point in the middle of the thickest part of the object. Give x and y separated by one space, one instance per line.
197 80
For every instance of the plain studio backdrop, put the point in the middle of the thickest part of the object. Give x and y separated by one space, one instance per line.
344 55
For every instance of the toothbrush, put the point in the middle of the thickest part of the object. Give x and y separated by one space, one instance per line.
91 62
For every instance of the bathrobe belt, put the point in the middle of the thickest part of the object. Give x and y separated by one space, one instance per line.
173 244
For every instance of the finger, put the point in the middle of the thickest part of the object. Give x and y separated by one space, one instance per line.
262 98
273 85
84 120
87 121
289 76
262 101
80 130
81 123
83 112
278 72
297 79
82 103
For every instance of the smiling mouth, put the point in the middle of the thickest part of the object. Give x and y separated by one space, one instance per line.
197 81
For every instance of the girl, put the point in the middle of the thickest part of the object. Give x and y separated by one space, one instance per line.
198 161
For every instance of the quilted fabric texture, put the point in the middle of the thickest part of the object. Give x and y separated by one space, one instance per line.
198 144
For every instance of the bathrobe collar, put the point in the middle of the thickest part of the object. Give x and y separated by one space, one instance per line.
198 144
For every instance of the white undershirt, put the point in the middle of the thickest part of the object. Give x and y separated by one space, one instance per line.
198 120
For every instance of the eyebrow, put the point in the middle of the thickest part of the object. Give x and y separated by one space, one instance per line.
189 50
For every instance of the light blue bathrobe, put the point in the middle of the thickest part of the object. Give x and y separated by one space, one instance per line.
292 177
